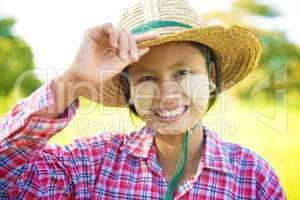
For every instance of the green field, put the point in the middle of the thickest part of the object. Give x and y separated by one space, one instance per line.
272 132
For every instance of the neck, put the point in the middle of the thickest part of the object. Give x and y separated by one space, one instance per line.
170 146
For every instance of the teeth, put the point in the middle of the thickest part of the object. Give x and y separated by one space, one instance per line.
172 113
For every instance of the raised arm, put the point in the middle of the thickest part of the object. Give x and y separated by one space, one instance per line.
29 168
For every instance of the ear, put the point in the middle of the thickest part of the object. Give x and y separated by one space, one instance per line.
212 71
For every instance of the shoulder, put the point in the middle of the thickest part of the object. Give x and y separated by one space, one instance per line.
249 163
245 159
250 166
104 141
240 157
87 146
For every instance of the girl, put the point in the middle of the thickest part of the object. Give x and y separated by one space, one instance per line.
168 67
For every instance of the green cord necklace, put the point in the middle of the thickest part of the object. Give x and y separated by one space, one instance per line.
182 159
179 167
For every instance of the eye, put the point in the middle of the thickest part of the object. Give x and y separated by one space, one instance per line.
146 78
182 72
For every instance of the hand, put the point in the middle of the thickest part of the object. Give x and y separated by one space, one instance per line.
106 51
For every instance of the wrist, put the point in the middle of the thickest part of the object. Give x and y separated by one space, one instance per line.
74 86
65 85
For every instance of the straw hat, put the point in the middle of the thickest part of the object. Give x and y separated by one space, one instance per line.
236 49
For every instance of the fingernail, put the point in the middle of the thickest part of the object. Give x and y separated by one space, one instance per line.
144 50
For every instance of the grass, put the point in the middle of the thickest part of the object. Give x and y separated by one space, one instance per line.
270 130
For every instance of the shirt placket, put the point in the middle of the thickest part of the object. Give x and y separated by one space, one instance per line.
183 188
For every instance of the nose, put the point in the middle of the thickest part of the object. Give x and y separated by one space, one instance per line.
169 95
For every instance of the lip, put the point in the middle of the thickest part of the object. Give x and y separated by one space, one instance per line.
171 119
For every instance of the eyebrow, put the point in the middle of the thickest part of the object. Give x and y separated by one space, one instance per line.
172 66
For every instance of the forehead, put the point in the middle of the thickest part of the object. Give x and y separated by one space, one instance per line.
164 57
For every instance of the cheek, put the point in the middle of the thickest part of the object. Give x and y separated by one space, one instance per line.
196 88
142 96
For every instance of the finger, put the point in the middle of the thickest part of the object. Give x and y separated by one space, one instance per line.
109 31
113 34
107 27
123 45
133 48
144 37
114 38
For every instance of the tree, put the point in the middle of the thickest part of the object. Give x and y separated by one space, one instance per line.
15 58
278 52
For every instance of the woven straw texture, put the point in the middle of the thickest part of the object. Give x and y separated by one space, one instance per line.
236 49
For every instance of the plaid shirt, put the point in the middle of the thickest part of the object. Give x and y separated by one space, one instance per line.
116 166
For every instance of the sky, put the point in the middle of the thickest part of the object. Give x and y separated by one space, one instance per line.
55 28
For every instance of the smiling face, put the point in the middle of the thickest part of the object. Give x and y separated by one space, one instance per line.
169 87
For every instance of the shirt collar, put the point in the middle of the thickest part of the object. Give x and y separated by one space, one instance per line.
214 154
138 143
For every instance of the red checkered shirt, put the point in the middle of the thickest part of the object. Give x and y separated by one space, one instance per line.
116 165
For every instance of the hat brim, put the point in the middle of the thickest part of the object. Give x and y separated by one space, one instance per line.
237 51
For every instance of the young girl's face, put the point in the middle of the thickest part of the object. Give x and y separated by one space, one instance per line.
169 87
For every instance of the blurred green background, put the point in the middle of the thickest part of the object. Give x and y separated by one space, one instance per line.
261 112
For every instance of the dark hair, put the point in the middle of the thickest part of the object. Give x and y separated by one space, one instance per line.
213 95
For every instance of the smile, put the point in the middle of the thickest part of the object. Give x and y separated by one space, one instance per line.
172 114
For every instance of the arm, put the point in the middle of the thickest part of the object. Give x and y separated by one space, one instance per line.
25 130
25 165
